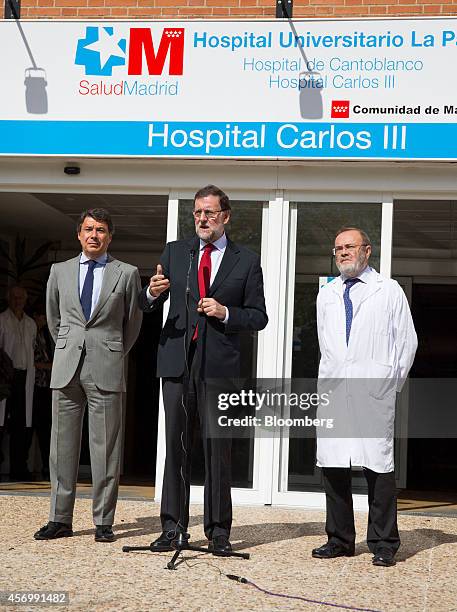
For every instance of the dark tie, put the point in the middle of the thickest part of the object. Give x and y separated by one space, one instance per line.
204 276
86 294
349 282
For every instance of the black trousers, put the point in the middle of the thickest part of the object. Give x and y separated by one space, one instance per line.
217 452
20 435
382 528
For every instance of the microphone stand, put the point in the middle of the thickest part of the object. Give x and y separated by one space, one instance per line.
181 542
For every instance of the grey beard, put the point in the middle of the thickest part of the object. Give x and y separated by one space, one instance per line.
354 269
349 270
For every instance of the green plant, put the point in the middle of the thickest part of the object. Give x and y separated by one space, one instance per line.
23 266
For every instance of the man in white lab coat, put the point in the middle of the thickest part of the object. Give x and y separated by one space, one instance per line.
367 342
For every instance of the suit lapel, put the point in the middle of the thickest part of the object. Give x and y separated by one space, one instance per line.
229 260
110 278
73 280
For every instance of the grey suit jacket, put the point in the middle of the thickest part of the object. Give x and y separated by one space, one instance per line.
108 335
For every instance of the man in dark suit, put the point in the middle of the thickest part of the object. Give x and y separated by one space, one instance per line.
225 299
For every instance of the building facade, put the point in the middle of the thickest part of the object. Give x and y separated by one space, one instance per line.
286 205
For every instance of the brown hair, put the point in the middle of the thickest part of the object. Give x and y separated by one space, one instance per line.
214 191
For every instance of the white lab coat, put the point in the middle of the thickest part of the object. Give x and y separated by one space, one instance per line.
7 343
363 378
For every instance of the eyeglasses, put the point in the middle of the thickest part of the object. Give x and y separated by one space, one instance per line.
348 247
209 214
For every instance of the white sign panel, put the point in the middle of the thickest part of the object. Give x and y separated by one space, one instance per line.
329 89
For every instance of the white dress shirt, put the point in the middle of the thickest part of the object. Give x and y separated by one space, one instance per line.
11 331
358 290
99 270
216 257
19 350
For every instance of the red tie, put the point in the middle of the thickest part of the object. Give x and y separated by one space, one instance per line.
204 275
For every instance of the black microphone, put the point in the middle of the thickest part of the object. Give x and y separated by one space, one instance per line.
191 259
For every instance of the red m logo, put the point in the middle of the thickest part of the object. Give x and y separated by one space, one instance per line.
172 41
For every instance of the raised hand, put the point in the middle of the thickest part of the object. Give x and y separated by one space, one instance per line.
158 283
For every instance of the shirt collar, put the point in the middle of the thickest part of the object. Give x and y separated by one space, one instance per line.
220 243
102 260
363 276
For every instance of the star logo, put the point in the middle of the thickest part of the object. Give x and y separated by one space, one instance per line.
100 51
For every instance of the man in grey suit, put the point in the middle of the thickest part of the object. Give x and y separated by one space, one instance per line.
94 320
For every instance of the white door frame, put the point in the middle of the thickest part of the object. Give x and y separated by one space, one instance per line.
269 361
280 494
279 225
172 234
402 409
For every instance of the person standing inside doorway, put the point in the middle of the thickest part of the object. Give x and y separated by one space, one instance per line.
42 413
17 339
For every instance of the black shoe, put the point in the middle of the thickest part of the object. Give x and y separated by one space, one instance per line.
53 530
220 545
384 557
104 533
164 541
331 550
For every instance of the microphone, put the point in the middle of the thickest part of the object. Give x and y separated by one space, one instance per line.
191 259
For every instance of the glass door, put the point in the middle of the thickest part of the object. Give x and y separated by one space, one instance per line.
247 227
244 228
312 231
294 240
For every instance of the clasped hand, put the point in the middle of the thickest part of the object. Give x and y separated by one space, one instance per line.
211 308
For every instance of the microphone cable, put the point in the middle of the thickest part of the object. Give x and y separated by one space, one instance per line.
183 402
243 580
299 597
